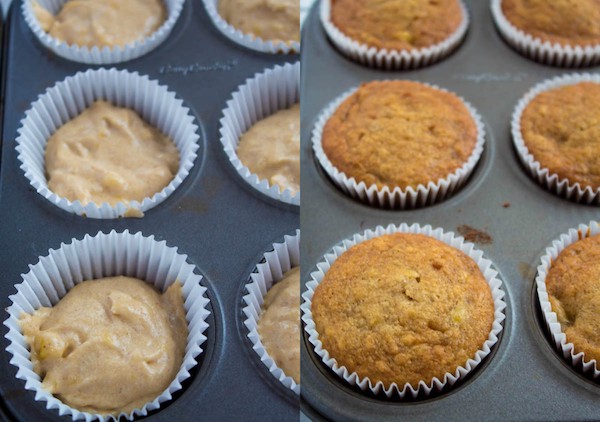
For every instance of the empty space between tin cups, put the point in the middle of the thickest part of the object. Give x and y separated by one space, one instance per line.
284 257
248 40
397 197
546 52
573 191
99 55
392 59
259 97
69 98
575 356
105 255
426 386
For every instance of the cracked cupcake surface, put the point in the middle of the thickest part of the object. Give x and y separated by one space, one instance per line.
573 285
397 24
109 345
102 23
399 134
403 308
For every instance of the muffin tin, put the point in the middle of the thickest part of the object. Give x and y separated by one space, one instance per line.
223 225
511 218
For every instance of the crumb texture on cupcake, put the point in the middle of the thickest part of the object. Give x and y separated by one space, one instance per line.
109 345
397 24
270 20
565 22
102 23
271 149
561 129
109 154
279 323
403 308
399 134
573 286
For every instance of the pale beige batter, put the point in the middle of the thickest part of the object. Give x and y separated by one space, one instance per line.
110 345
102 22
271 149
265 19
279 323
109 154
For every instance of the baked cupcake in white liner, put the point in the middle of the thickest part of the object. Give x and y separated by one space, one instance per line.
265 93
552 182
99 55
248 40
575 357
105 255
541 51
392 59
424 386
284 257
396 197
69 98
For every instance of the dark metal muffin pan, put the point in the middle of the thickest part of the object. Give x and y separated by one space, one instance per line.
524 379
221 223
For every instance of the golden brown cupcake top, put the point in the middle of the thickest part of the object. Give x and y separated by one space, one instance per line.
399 134
566 22
561 129
573 285
397 24
403 308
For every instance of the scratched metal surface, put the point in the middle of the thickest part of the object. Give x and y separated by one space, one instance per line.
223 225
525 379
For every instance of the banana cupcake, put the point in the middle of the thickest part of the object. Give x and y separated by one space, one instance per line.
399 143
555 130
558 32
395 33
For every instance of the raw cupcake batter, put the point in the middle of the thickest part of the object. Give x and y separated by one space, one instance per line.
271 149
110 345
266 19
109 154
279 324
102 22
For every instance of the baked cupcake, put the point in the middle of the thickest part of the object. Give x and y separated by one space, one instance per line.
101 31
399 310
561 32
399 143
568 285
555 130
395 34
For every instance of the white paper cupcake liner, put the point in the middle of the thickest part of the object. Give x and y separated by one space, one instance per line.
543 51
551 181
392 59
97 55
284 257
576 358
248 40
396 197
266 93
105 255
424 386
69 98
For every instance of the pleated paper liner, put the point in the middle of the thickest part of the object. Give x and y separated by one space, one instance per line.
396 197
425 387
248 40
284 257
274 89
551 181
545 52
99 55
93 257
69 98
392 59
